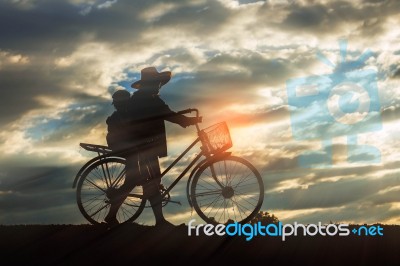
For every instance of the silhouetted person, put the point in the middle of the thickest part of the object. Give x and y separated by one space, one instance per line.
148 112
118 137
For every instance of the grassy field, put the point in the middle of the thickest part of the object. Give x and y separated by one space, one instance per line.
133 244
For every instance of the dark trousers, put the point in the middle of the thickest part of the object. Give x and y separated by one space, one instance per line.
142 168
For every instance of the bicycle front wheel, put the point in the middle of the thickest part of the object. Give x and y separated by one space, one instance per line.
227 190
96 186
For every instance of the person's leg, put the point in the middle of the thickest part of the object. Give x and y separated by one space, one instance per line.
152 188
132 177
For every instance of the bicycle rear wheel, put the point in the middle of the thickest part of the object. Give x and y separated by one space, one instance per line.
96 185
227 190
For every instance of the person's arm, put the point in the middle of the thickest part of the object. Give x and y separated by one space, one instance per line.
182 120
173 117
111 120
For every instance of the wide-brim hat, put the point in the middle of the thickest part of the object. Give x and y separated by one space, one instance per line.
150 75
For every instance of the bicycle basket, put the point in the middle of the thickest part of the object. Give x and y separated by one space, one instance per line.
216 138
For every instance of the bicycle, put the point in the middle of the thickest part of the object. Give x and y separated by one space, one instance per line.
221 188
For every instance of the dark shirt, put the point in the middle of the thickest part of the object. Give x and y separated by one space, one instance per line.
148 113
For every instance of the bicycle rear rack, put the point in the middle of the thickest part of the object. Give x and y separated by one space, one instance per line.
95 148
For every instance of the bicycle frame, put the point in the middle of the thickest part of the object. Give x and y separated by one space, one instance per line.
203 152
170 187
190 165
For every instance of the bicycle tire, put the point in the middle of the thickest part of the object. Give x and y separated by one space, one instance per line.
93 187
236 205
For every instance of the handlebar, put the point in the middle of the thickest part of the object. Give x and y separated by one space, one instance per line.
187 111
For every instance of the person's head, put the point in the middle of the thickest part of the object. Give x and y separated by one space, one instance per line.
151 80
121 99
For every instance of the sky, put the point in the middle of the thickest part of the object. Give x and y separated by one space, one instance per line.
253 64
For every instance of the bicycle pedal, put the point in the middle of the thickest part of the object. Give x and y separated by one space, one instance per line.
176 202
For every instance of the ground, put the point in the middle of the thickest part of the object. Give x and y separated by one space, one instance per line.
134 244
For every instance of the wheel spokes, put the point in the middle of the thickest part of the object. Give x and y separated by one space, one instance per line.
93 190
241 194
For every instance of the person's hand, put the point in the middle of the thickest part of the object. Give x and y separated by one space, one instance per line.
191 121
195 120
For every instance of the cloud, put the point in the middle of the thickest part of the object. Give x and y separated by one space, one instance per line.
396 73
305 17
352 192
30 191
60 61
107 4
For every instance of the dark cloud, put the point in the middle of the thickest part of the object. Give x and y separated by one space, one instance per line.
30 192
269 115
331 194
304 17
190 38
388 197
358 213
21 85
49 26
390 114
281 164
375 1
244 2
203 20
39 179
332 17
58 27
249 67
396 73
